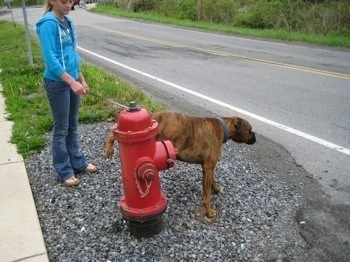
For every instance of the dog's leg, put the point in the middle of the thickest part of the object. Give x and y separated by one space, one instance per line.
208 184
109 150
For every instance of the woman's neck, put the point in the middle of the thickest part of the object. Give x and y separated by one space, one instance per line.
58 16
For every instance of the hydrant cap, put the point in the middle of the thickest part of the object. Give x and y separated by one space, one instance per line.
133 107
135 123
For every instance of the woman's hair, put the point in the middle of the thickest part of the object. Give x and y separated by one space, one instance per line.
47 6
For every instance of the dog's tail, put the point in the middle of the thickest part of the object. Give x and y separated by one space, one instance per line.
109 150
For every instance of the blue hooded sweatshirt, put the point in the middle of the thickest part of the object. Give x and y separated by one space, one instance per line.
58 46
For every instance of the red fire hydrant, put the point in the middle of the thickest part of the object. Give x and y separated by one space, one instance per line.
141 158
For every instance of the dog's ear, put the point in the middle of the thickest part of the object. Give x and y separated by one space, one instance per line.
238 130
240 127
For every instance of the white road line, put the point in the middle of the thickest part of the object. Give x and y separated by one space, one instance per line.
239 110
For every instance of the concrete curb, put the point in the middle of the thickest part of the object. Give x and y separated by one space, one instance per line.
21 238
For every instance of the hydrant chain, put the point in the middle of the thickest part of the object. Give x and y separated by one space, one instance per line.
148 184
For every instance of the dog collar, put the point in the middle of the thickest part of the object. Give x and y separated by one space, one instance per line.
224 126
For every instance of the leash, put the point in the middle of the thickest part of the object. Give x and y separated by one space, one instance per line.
99 95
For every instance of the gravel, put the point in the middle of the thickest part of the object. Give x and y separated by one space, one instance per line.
256 212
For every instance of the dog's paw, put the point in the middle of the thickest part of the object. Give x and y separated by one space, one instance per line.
216 189
211 213
108 155
201 215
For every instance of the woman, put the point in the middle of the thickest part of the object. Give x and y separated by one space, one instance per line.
64 84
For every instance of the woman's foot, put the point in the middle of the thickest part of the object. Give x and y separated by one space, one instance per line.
90 168
72 181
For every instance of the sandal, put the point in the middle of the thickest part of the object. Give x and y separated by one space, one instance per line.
90 168
72 181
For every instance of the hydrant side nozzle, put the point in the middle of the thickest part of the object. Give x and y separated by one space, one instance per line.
146 171
165 155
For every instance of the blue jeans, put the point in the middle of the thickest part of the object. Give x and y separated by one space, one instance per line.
66 155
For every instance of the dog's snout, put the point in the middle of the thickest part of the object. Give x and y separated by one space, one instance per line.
252 139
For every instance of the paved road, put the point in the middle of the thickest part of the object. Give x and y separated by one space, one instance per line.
293 94
296 95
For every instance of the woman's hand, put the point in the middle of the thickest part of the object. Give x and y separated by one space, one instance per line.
84 84
78 88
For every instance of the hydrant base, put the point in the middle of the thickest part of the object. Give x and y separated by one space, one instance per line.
146 229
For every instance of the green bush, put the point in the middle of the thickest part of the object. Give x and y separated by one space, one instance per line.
18 3
188 10
168 8
144 5
301 16
321 18
222 12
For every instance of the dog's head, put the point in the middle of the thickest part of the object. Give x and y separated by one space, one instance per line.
240 130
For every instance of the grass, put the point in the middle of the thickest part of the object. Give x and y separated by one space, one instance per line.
330 39
26 101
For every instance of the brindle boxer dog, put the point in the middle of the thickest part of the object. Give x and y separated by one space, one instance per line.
198 141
